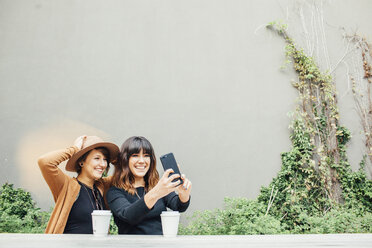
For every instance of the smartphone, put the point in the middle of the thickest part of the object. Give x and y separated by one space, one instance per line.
169 162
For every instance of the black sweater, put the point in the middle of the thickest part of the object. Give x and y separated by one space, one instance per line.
80 218
132 216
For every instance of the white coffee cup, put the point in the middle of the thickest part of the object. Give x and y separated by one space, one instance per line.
169 223
101 222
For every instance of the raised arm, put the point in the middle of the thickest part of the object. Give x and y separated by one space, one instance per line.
181 201
173 202
162 188
54 176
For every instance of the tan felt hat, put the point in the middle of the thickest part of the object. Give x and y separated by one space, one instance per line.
90 143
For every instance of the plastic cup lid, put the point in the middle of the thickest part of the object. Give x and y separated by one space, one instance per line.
170 213
101 212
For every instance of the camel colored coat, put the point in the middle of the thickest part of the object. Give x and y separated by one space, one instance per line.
65 189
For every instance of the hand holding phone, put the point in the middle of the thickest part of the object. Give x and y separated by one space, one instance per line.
169 162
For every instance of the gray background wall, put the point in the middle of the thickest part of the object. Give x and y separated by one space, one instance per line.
199 78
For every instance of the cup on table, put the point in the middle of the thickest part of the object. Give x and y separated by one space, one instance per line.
169 223
101 222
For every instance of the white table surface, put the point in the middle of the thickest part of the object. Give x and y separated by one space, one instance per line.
74 241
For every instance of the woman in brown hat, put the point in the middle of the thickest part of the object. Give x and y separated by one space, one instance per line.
76 198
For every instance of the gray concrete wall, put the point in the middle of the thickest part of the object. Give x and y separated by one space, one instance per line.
199 78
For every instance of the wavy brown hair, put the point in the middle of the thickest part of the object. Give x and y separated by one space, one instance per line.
123 177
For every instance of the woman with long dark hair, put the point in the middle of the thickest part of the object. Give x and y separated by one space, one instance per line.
138 195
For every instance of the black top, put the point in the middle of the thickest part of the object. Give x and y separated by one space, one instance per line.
80 218
131 214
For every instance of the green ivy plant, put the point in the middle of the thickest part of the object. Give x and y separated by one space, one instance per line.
316 190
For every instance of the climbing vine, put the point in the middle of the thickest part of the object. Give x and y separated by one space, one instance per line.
316 190
317 121
316 177
360 75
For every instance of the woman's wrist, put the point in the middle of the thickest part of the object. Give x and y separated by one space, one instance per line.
151 198
184 198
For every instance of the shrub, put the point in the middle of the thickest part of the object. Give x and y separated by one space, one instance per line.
340 220
113 227
240 217
18 213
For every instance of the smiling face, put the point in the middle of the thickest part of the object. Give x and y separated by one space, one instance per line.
136 166
94 164
139 164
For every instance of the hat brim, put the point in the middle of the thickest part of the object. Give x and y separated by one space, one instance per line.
112 148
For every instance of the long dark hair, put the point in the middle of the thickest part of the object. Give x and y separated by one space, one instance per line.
123 177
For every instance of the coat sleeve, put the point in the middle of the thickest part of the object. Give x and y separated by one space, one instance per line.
173 202
131 213
54 177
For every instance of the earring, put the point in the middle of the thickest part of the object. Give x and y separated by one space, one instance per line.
81 165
